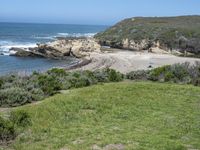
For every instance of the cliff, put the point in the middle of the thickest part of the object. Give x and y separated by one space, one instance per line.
144 33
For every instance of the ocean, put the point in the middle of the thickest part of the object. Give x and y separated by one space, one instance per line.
28 35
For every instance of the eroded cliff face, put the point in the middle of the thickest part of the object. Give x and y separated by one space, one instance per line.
134 45
61 48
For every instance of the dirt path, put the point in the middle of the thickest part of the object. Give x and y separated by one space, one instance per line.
126 61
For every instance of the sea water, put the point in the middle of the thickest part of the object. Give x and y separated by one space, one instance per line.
25 35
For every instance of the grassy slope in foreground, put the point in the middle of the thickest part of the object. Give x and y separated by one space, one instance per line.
141 115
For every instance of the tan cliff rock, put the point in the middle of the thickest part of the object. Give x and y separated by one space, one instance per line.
135 45
60 48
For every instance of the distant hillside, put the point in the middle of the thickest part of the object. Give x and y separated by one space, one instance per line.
181 33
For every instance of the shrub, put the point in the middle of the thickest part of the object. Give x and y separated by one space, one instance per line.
57 72
113 75
14 97
82 82
180 71
90 76
20 118
1 83
168 76
7 130
174 73
101 76
157 74
49 84
194 72
137 75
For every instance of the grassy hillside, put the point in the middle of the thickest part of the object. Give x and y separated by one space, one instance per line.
172 32
130 115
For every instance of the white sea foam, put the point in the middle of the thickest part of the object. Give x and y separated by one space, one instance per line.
45 38
5 46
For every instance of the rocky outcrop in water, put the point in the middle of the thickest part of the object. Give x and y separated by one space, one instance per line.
61 48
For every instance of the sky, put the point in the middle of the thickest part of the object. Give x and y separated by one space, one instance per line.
95 12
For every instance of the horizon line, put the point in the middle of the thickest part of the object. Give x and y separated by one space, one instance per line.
46 23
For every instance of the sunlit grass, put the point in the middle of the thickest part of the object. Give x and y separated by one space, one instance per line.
137 115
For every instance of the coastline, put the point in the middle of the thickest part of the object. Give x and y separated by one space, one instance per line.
121 60
126 61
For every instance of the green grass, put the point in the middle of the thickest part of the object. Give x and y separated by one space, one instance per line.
139 115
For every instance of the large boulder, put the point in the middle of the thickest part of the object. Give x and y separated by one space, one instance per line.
77 47
62 47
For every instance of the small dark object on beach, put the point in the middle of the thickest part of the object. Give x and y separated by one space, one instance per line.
150 66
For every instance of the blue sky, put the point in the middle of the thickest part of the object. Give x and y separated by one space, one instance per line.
105 12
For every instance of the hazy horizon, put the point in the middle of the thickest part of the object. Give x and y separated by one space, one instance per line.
91 12
108 25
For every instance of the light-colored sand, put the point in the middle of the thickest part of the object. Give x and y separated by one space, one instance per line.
126 61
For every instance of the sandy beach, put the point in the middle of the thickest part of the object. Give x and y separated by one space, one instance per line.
125 61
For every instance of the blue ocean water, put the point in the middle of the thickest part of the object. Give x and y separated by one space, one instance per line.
28 35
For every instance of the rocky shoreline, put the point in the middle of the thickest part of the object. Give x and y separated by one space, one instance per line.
60 49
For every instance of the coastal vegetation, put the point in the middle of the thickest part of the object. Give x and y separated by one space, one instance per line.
18 90
141 33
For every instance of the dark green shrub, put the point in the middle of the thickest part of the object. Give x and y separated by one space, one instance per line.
137 75
76 74
180 71
49 84
196 82
1 83
168 76
101 76
114 76
7 130
82 82
174 73
20 118
158 73
90 76
57 72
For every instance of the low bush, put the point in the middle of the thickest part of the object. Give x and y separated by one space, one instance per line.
20 118
178 73
7 130
1 83
113 75
57 72
15 96
158 74
101 76
137 75
49 84
9 127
